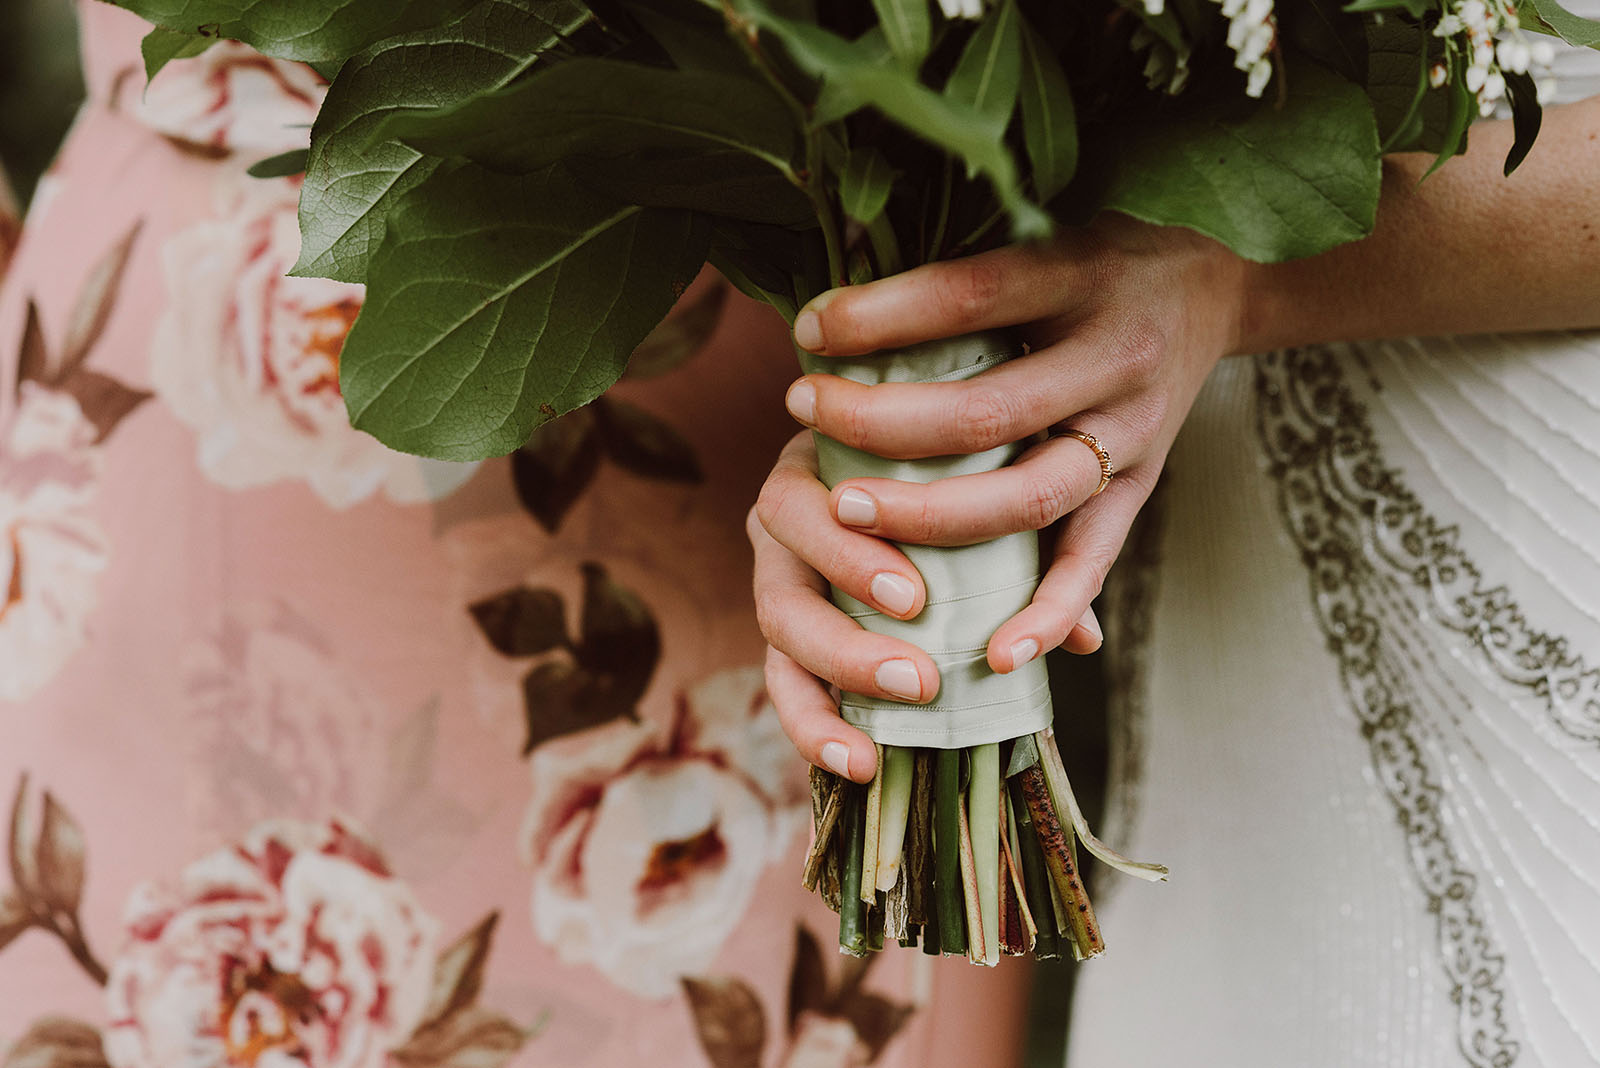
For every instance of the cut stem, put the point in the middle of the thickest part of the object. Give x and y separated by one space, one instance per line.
1061 793
893 811
983 821
1036 881
949 899
869 842
826 821
852 913
969 888
1056 843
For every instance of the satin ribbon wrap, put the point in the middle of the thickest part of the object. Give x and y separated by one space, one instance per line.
972 589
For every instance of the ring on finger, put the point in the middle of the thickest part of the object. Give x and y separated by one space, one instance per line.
1107 470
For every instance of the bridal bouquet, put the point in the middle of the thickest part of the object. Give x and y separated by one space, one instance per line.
526 186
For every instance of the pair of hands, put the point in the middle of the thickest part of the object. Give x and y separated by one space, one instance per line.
1123 322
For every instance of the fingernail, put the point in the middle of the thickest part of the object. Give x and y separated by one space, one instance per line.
808 331
899 677
836 755
1022 652
1092 625
802 402
895 594
857 508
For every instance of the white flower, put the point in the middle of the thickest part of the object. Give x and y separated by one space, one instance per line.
962 9
52 550
1547 90
230 97
249 358
1541 53
1476 76
646 850
1260 72
294 949
1514 55
1494 87
1252 31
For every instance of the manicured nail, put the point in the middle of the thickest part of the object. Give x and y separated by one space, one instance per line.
899 677
857 508
802 402
837 756
895 594
1022 652
808 331
1092 625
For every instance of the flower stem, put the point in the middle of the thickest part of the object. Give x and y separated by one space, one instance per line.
983 810
893 812
1056 843
1035 879
852 913
947 852
869 838
825 824
969 887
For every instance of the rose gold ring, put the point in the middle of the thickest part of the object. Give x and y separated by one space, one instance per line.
1107 471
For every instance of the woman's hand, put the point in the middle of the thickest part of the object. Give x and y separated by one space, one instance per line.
1123 321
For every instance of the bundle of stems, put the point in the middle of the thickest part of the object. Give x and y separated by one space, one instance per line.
943 850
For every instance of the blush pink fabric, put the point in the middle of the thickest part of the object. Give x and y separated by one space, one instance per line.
234 628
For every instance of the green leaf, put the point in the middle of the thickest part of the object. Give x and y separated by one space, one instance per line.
605 109
680 335
1551 16
351 185
280 166
161 46
1049 123
305 30
640 442
857 79
1526 116
496 303
728 183
908 28
989 71
865 185
1280 183
1463 105
1415 8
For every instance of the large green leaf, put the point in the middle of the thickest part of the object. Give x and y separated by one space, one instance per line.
856 77
351 184
605 109
1278 184
908 28
865 184
1049 122
1550 15
989 71
499 302
306 30
161 46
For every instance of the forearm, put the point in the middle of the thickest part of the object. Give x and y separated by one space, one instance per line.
1467 251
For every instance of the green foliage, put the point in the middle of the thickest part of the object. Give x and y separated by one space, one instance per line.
1550 16
865 185
352 184
498 302
1049 127
1246 181
908 28
293 29
161 46
989 72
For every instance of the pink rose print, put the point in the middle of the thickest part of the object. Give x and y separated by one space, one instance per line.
294 949
229 97
249 358
51 549
646 849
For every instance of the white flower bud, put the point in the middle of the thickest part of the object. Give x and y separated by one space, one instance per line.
1485 108
1437 74
1449 26
1231 8
1255 46
1542 53
1474 13
1260 73
1547 90
1513 55
1476 76
1494 86
1154 7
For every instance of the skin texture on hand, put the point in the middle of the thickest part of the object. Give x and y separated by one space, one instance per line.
1124 321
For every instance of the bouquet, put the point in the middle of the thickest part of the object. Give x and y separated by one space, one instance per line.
526 186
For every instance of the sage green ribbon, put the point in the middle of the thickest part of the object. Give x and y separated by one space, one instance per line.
972 589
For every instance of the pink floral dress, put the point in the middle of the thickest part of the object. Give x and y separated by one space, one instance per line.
315 754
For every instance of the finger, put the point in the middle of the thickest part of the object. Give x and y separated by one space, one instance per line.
1047 482
1087 636
1099 363
1088 546
793 508
1016 284
798 620
810 718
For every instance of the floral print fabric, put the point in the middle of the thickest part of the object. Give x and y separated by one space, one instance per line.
323 756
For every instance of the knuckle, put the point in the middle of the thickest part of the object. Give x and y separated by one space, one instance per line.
769 609
984 418
966 291
1143 351
1045 498
839 667
848 422
771 501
